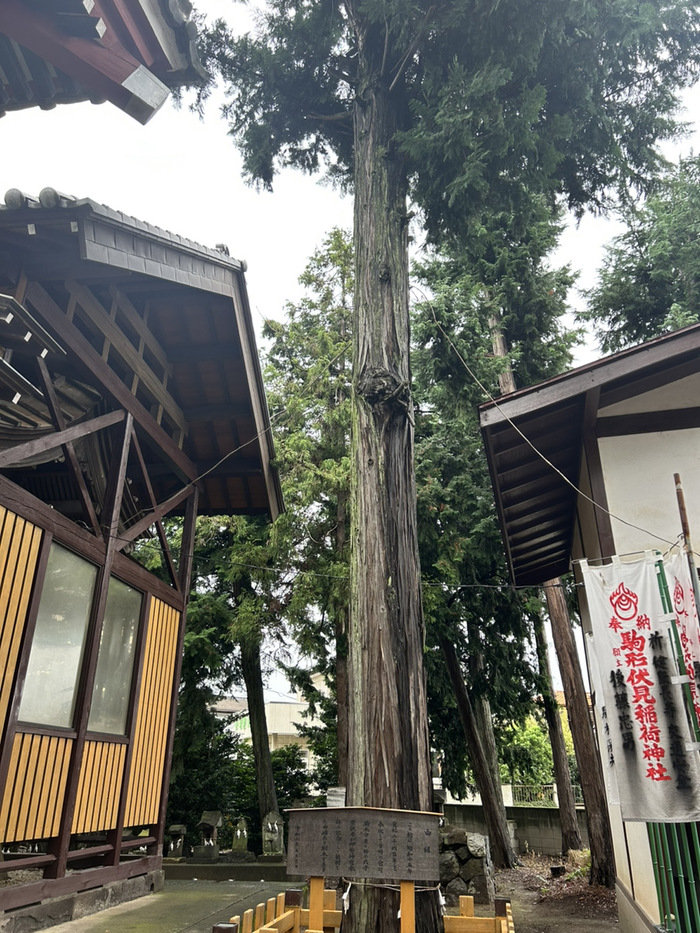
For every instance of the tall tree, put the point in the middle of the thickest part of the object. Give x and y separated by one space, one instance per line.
230 571
498 278
461 103
650 279
308 381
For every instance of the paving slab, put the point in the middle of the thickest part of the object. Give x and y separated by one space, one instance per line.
181 907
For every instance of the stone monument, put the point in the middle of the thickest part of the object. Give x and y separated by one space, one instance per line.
209 824
273 836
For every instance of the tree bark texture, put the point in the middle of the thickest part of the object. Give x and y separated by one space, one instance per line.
484 719
570 834
252 676
590 771
494 815
341 656
388 745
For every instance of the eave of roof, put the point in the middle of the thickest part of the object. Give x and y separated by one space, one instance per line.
62 237
531 432
64 51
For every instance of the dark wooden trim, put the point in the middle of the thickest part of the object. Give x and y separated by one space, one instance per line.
113 499
133 531
628 365
595 476
74 340
78 540
108 738
90 852
135 575
13 455
647 382
68 449
103 69
165 547
20 864
127 844
186 564
36 728
115 835
648 422
63 529
22 895
23 660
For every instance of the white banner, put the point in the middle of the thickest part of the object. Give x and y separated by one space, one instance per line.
681 592
646 742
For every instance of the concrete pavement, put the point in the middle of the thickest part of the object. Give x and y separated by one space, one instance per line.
181 907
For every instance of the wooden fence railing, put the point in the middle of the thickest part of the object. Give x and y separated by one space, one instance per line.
284 914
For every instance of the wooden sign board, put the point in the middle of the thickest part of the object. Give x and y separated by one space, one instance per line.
363 842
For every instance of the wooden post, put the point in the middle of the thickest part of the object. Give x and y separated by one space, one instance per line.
408 907
316 888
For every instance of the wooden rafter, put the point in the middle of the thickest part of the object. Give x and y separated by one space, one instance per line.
68 449
114 337
110 71
165 547
14 455
131 533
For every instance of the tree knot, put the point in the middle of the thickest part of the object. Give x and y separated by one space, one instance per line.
381 387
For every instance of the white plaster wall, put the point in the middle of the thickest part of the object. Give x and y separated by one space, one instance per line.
643 883
638 471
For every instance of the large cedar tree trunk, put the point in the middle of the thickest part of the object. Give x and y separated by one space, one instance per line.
252 677
570 834
587 757
489 789
388 746
341 655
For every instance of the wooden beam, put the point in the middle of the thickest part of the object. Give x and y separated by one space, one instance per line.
68 449
39 298
627 367
14 455
108 71
594 465
112 507
106 325
165 547
133 531
648 422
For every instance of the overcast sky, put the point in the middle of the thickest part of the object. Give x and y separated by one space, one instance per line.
184 174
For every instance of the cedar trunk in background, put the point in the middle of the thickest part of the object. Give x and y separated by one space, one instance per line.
389 755
252 677
570 833
587 757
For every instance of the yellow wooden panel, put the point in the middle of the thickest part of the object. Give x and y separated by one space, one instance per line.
19 549
99 786
153 716
35 788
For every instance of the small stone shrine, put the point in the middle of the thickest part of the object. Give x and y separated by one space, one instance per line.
177 840
208 825
273 836
466 866
239 842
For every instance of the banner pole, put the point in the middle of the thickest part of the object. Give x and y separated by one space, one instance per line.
685 527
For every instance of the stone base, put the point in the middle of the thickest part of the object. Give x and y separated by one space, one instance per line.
74 906
205 853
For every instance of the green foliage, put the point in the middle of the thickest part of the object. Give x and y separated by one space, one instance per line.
291 784
650 280
492 99
499 281
308 382
525 753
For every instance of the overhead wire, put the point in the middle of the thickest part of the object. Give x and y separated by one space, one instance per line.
489 397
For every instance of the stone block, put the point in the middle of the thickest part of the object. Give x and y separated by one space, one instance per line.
449 866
